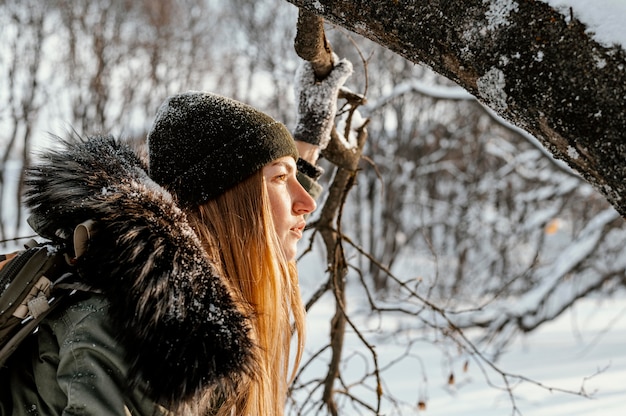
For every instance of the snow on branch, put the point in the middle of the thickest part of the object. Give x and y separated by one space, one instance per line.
558 288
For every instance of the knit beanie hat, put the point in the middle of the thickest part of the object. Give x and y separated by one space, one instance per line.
202 144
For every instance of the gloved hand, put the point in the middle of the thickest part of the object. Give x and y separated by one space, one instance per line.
317 101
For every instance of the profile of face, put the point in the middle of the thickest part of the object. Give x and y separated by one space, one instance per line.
289 203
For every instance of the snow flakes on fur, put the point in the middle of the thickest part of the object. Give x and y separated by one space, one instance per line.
182 330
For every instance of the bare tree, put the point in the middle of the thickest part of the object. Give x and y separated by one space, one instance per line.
93 67
23 84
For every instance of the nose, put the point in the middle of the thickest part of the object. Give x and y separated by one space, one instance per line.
303 203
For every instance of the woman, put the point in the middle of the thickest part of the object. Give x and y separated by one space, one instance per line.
190 264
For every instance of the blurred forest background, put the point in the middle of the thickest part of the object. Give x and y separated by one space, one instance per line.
457 224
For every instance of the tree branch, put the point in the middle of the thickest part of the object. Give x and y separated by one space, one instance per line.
536 67
311 43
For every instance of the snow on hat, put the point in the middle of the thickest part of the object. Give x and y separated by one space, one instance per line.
202 144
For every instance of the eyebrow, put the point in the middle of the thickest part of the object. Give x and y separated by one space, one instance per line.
290 167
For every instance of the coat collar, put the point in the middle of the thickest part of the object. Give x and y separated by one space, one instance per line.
180 326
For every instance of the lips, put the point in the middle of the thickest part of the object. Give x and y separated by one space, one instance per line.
298 229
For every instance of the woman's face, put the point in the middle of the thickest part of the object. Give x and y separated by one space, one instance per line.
289 203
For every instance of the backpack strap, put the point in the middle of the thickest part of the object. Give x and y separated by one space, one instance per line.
26 328
46 289
36 302
69 283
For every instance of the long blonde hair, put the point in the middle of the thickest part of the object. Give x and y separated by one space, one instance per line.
238 233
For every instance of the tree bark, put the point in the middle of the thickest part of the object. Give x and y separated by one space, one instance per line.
536 67
311 43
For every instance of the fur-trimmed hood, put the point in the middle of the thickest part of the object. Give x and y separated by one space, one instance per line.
179 324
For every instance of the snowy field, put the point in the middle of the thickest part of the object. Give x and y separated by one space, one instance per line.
585 349
575 365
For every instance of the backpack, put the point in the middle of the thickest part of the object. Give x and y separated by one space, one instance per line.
28 291
34 282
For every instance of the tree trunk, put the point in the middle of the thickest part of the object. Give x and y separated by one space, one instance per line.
534 66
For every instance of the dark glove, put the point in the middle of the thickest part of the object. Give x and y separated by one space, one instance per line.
317 102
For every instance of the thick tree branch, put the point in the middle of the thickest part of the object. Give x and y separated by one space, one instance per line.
539 69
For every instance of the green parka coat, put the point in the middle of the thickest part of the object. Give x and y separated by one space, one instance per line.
74 366
161 327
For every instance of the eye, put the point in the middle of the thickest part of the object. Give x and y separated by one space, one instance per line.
281 177
280 172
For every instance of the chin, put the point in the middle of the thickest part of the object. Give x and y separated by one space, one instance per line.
290 253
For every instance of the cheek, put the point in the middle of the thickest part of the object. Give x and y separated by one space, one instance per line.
280 205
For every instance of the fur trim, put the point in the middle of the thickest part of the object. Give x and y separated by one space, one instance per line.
178 321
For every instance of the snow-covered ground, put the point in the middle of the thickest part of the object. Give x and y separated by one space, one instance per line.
583 350
560 355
